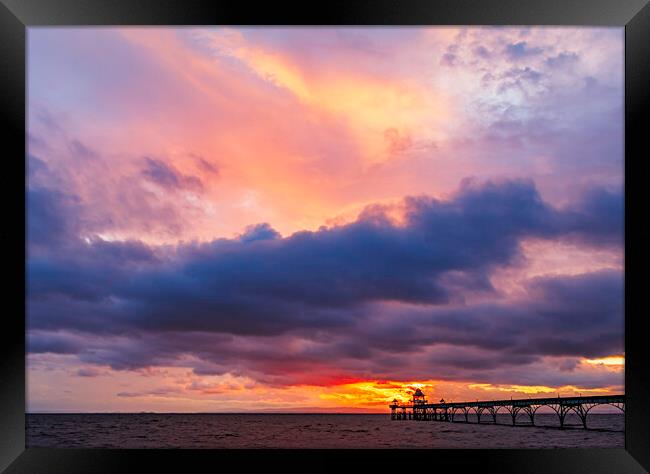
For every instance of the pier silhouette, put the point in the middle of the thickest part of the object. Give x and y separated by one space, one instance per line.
418 408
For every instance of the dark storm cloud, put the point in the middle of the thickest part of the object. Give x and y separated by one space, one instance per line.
597 218
238 305
578 315
259 232
562 317
80 269
54 342
261 283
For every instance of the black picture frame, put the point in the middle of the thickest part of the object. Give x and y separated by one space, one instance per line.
17 15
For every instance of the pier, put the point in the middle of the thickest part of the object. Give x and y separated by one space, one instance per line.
420 409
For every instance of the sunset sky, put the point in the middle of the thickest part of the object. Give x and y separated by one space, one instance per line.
322 219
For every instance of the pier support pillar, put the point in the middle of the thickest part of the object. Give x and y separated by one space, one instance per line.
531 414
493 412
582 411
513 413
561 413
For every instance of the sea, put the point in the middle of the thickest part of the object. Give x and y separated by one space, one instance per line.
232 431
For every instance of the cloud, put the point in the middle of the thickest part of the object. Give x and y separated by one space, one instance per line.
167 176
79 149
52 342
560 316
448 59
563 59
523 74
68 200
406 289
208 166
520 50
259 232
538 339
263 283
90 372
597 217
156 392
482 52
206 108
369 298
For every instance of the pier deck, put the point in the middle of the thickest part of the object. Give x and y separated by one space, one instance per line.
420 409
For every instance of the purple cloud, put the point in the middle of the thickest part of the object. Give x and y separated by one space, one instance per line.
140 306
167 176
520 50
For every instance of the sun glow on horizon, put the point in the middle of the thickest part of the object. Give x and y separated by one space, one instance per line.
611 361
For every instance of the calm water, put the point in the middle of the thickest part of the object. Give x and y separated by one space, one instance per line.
309 431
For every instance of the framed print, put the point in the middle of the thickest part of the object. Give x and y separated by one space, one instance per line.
359 232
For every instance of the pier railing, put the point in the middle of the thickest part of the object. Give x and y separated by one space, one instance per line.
457 411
